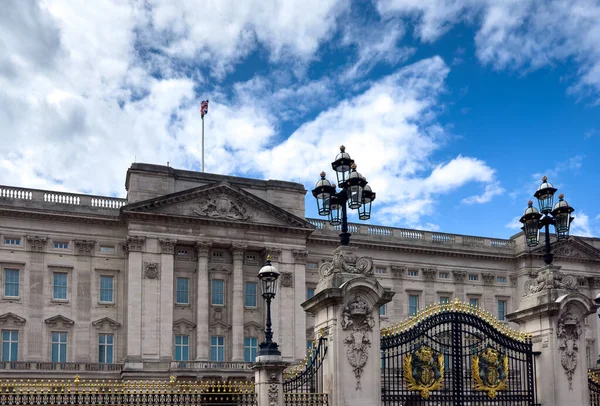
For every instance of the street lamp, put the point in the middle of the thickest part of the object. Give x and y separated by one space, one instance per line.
558 215
354 192
268 275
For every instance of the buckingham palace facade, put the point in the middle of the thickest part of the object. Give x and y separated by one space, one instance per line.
164 282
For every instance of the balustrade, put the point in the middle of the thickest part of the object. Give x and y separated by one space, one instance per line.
61 198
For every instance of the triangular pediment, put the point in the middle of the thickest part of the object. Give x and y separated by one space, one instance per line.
58 320
106 321
8 318
573 249
183 322
219 202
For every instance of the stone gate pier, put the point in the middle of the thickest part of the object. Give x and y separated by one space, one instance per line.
346 309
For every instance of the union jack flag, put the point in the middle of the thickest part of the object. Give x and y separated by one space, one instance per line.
204 108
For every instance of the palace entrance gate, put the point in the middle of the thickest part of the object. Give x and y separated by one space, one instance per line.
459 355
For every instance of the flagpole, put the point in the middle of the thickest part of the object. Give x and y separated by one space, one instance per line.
202 143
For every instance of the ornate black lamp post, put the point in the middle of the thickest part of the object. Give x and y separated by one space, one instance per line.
354 191
268 275
558 215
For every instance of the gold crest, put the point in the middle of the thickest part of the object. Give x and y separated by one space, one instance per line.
490 372
424 371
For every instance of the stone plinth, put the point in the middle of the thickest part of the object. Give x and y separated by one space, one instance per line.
268 380
554 314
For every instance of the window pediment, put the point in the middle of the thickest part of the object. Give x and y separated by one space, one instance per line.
106 322
183 326
59 321
11 319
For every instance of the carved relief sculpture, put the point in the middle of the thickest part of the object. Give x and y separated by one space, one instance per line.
167 246
221 207
342 262
151 270
569 330
273 390
203 248
84 247
135 243
286 279
359 322
429 273
398 271
550 278
37 243
300 256
274 253
237 251
459 276
488 278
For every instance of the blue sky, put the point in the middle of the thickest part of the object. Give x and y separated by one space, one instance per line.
452 109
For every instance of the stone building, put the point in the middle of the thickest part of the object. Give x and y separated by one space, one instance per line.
164 282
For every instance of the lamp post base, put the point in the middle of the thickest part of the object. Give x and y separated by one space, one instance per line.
268 348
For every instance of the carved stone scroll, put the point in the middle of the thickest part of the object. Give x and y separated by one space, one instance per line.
167 246
37 243
459 276
84 247
345 261
429 273
358 321
135 243
550 278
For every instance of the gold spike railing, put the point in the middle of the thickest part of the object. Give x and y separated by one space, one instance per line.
455 306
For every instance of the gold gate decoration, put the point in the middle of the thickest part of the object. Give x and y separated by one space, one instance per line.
424 370
490 372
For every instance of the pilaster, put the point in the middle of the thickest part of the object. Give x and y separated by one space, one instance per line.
202 306
237 325
167 249
134 298
82 279
35 333
299 289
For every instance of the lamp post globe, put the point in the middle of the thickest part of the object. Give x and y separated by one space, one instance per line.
557 215
268 276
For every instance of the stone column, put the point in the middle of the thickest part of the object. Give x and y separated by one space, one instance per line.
346 308
299 287
276 304
35 324
134 299
202 306
459 284
490 303
237 306
398 311
268 380
167 248
430 275
83 300
553 312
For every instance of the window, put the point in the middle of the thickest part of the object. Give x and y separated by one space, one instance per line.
474 302
310 292
444 275
501 279
413 273
312 265
107 250
218 292
183 291
310 344
383 310
251 257
183 252
380 270
61 245
444 299
250 297
10 345
250 348
501 310
60 286
105 348
11 282
217 348
106 289
12 241
182 348
59 347
217 254
473 277
413 305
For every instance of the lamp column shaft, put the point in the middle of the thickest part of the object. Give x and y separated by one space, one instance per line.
268 331
344 235
548 256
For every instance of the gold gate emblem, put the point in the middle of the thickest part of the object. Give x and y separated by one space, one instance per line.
490 372
424 371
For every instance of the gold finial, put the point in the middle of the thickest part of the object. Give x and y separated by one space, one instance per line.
530 203
544 178
342 148
323 174
353 166
269 257
172 380
561 196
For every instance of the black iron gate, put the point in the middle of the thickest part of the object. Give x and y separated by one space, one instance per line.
303 384
456 354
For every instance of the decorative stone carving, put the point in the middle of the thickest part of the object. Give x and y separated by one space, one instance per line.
488 277
345 261
300 256
84 247
513 280
459 276
135 243
273 391
550 278
59 319
429 273
7 318
100 323
274 253
37 243
221 207
286 279
595 283
151 270
398 271
167 246
359 322
203 248
237 251
568 332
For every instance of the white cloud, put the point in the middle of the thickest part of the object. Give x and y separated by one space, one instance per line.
581 225
491 190
517 34
514 223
